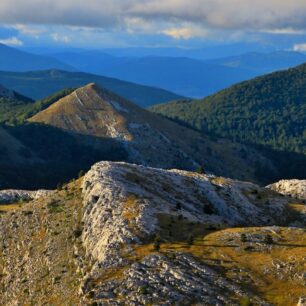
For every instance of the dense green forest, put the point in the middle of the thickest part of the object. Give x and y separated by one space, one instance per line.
269 110
13 111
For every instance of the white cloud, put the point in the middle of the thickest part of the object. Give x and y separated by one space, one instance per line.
287 31
187 32
12 41
27 30
60 38
300 47
222 14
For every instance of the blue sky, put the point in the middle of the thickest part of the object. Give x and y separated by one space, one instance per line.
153 23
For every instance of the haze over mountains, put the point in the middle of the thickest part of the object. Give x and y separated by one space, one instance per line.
39 84
189 73
189 77
12 59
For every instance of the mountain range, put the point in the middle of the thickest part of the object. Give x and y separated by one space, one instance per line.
188 73
39 84
12 59
186 76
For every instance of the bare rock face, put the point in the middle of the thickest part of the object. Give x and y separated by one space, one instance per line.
128 207
11 195
132 235
293 188
117 192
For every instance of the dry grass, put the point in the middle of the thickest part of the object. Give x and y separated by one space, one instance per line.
219 181
9 207
227 255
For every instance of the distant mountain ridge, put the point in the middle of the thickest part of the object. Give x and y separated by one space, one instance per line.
39 84
9 94
12 59
189 77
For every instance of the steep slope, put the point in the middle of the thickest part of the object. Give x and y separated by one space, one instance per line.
35 156
270 110
150 139
11 149
136 236
39 84
12 59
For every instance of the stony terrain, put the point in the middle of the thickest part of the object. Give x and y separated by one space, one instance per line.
294 188
13 195
132 235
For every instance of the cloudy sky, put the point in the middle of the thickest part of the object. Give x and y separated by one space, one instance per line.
118 23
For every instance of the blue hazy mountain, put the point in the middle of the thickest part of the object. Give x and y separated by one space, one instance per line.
263 62
185 76
39 84
12 59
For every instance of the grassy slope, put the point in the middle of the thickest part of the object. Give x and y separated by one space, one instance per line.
270 110
44 270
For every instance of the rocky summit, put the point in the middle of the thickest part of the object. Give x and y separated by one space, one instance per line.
126 234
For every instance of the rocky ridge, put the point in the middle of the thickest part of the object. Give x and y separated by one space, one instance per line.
294 188
136 235
126 206
13 195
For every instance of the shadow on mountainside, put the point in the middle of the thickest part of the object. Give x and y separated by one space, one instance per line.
52 156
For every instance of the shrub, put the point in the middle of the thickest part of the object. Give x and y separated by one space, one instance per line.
190 240
268 239
143 290
243 237
81 173
156 244
245 301
200 170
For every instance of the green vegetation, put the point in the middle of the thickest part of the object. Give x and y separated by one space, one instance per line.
13 112
245 301
269 110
